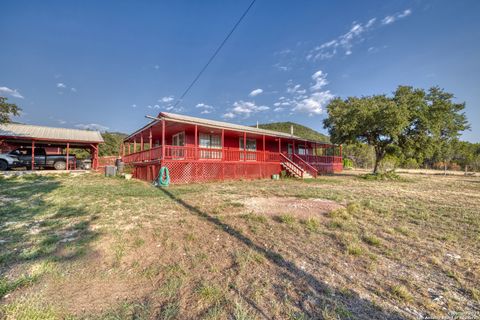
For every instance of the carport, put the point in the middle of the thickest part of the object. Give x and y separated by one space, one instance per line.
54 140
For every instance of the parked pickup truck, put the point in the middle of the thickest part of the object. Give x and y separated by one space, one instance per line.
22 157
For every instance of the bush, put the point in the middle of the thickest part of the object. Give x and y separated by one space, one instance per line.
347 163
389 175
410 163
389 163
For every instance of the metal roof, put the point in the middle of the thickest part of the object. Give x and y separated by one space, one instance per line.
27 131
226 125
214 124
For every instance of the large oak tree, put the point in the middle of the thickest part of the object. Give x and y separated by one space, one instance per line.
412 122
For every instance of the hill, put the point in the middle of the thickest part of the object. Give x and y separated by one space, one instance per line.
298 130
113 140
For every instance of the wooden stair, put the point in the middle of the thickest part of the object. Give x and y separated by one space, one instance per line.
295 170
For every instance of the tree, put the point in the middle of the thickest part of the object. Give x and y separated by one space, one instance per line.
413 123
375 120
7 110
361 154
112 143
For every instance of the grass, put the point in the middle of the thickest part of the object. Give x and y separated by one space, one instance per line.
401 292
371 240
312 224
210 293
288 219
89 247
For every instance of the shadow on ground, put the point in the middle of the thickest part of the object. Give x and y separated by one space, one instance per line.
316 296
34 229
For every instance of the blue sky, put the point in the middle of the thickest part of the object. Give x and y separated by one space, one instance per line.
107 64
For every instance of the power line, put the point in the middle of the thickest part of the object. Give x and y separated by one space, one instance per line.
214 54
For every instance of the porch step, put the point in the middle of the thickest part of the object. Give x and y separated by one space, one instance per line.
296 171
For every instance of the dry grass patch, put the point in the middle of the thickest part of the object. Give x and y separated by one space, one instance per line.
90 247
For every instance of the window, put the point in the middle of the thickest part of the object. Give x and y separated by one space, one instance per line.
302 150
178 139
210 141
251 146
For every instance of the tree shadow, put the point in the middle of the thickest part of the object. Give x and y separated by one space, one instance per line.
316 296
35 229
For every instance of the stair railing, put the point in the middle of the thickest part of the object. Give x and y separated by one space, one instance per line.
293 166
305 165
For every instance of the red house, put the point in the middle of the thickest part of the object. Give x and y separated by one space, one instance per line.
197 150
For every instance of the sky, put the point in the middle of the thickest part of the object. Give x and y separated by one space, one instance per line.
106 64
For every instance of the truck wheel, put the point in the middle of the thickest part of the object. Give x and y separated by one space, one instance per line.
60 165
3 165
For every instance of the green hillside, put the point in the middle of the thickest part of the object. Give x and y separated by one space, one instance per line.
298 130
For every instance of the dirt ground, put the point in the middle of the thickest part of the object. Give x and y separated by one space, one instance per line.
336 247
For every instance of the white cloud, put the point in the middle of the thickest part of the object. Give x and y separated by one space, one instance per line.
166 99
229 115
156 106
392 18
156 67
244 109
320 79
295 89
314 104
278 109
345 42
134 105
73 89
255 92
61 85
92 126
204 106
11 92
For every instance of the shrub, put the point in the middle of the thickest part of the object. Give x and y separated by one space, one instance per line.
347 163
401 292
410 163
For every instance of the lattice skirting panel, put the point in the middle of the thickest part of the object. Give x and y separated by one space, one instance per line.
188 172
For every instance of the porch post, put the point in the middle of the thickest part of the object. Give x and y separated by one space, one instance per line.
264 148
135 145
95 156
223 154
245 146
196 143
279 145
150 139
293 146
150 143
141 142
68 153
33 154
305 147
163 139
223 144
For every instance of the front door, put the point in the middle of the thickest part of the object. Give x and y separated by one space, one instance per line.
290 149
178 141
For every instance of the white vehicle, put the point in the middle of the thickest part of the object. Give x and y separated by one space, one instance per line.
8 160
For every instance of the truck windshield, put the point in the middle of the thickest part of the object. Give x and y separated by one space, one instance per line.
19 152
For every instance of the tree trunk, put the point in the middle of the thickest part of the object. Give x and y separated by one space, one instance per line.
379 154
445 168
